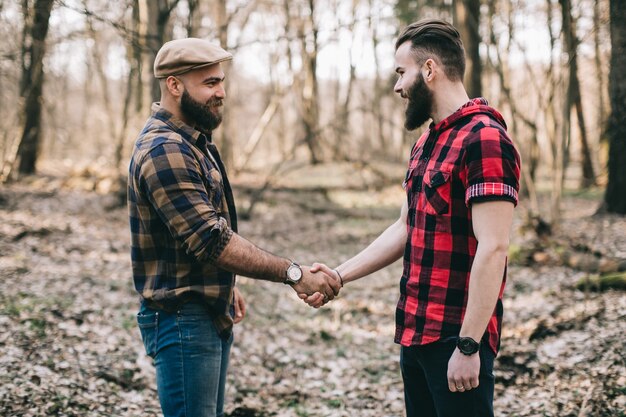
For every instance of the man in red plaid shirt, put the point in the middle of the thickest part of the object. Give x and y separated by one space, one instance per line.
462 185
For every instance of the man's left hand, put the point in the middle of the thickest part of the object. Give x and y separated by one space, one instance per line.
463 371
240 306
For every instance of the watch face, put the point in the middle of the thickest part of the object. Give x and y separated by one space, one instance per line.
294 273
465 345
468 346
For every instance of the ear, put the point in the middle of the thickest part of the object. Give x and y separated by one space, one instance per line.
428 69
174 86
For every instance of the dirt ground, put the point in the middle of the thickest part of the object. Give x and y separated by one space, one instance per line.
69 345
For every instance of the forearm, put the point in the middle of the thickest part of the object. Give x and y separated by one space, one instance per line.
386 249
242 257
484 288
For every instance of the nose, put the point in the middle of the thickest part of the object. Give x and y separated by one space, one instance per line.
397 88
220 92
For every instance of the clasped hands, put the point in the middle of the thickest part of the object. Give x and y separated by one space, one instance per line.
319 285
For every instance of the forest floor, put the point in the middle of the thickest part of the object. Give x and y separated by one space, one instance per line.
69 344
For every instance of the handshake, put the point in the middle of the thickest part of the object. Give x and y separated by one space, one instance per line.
319 284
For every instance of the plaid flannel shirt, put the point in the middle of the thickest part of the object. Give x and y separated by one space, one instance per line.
466 158
180 206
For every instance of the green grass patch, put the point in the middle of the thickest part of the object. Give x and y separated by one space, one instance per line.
333 403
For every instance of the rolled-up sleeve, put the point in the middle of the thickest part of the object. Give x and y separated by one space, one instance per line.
172 180
492 167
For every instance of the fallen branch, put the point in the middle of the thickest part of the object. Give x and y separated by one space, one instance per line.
603 282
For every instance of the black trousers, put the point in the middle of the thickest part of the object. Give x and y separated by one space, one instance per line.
426 392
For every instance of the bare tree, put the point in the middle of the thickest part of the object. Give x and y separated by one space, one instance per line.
194 18
379 138
530 145
302 21
342 129
159 31
466 15
31 86
573 94
615 196
133 82
98 69
307 33
223 20
599 64
224 137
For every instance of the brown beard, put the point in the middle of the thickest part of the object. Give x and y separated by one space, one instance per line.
419 106
200 114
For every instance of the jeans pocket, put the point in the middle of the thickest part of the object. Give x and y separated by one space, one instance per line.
149 328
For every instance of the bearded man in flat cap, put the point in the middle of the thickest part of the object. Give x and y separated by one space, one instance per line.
185 248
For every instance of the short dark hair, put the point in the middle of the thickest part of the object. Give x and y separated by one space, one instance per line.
440 38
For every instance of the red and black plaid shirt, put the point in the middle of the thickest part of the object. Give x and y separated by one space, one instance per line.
467 157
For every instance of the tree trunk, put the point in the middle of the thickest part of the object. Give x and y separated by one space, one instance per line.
562 144
159 32
258 131
530 147
224 135
343 120
615 196
102 78
551 121
32 87
466 15
140 18
571 46
378 139
309 94
193 19
133 83
599 64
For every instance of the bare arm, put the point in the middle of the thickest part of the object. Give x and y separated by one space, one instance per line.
386 249
244 258
492 223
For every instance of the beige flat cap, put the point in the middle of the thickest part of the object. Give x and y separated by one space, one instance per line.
181 55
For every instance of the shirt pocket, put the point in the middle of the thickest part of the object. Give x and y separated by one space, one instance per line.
214 186
437 191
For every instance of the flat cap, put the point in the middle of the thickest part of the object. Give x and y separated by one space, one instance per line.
181 55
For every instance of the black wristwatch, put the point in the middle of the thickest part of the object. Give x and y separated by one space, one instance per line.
467 345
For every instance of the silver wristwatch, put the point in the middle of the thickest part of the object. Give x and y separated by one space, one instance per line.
294 274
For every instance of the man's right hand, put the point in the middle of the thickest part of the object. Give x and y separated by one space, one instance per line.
318 299
317 282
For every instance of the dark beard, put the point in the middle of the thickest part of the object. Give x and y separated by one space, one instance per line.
200 114
420 104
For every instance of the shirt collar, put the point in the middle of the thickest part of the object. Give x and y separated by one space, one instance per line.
470 107
190 133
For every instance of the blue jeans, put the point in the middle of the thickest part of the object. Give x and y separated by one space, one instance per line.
190 359
425 374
